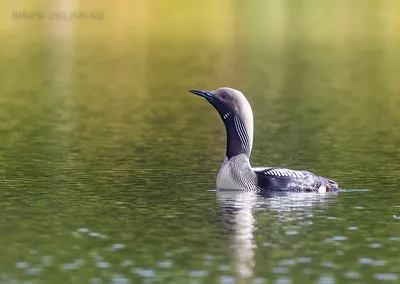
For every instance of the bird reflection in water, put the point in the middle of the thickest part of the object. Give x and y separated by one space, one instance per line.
238 214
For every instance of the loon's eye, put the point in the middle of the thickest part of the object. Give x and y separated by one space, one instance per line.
223 96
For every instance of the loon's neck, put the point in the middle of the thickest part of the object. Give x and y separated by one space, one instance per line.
239 135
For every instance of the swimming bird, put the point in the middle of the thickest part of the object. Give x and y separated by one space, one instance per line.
236 171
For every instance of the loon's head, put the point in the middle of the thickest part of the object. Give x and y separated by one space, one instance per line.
236 113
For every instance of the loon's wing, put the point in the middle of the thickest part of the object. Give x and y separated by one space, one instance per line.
282 172
281 179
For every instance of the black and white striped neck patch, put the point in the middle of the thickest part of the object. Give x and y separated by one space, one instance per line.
241 131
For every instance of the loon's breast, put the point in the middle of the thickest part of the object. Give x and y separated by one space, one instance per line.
236 173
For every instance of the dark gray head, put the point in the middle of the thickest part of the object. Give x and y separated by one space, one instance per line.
236 113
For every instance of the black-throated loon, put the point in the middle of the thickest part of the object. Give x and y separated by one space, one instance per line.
236 171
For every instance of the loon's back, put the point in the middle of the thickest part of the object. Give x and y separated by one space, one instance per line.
280 179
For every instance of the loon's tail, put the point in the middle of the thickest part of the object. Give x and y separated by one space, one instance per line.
333 186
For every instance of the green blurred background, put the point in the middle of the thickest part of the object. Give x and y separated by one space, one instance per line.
328 64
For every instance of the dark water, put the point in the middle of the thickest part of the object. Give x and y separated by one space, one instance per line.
108 164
